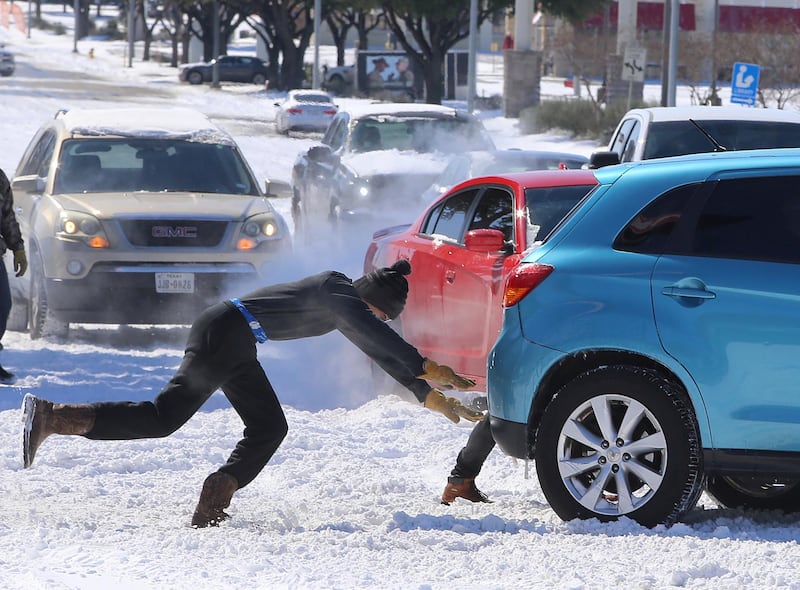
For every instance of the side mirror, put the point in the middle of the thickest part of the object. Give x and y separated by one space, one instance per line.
320 153
277 188
28 184
484 240
600 159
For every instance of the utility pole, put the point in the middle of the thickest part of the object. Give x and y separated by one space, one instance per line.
215 67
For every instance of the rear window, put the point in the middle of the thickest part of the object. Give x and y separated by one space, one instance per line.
546 207
676 138
421 134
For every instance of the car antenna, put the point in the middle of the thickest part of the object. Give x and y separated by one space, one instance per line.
718 147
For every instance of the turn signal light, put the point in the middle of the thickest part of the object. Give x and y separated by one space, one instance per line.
245 244
98 242
525 279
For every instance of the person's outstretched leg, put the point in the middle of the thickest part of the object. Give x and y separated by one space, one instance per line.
461 483
42 418
201 372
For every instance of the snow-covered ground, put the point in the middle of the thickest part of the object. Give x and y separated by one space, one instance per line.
351 498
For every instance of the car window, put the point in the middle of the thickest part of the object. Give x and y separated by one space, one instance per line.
37 160
621 139
336 134
649 231
734 223
495 210
120 165
676 138
312 98
421 134
630 145
449 219
547 206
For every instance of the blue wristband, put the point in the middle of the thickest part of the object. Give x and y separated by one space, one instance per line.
255 326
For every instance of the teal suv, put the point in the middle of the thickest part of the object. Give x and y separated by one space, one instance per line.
650 346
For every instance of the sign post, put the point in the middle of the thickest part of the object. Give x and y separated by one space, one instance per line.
633 64
744 83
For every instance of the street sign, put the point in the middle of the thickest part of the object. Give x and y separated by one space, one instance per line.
633 64
744 83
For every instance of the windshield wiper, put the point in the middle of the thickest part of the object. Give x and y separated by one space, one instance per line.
718 147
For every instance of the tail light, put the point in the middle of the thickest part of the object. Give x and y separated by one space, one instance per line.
526 278
294 111
330 111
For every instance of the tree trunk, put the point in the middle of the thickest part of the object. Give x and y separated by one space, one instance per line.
433 71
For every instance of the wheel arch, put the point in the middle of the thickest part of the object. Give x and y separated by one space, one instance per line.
580 362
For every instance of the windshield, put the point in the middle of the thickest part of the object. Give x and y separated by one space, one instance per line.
156 165
547 206
420 134
676 138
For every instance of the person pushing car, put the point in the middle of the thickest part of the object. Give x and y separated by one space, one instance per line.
221 353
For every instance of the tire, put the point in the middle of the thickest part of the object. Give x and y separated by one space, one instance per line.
648 448
758 493
195 77
41 321
259 79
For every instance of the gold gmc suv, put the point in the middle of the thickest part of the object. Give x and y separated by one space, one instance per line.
137 216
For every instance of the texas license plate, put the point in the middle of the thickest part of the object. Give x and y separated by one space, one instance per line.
174 282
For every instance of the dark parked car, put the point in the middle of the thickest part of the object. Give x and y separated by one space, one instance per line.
232 68
650 344
378 160
7 62
471 164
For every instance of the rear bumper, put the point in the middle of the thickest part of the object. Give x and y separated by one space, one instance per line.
511 437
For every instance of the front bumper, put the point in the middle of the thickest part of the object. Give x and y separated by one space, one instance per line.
128 295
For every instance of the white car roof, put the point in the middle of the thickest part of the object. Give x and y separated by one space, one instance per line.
144 122
392 108
703 113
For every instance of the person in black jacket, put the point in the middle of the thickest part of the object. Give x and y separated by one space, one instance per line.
10 239
221 353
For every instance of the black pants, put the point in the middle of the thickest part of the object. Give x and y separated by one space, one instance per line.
220 354
472 457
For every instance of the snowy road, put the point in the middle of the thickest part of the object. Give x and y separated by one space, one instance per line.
350 501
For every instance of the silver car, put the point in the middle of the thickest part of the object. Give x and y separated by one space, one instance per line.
305 110
139 216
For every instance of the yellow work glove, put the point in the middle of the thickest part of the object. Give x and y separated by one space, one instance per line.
20 262
453 409
444 376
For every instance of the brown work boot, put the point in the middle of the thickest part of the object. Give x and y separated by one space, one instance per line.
42 418
217 492
463 487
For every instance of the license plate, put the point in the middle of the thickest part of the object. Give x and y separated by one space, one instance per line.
174 282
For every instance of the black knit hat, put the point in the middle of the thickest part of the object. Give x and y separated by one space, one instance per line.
386 288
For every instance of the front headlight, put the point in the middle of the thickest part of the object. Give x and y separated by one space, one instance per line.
360 189
257 229
82 227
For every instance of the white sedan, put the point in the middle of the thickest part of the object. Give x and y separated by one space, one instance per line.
306 110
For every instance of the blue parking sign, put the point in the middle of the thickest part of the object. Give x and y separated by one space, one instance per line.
744 83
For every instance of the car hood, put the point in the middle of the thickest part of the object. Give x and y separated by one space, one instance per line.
149 204
396 162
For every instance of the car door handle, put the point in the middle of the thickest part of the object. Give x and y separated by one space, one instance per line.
450 276
688 292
